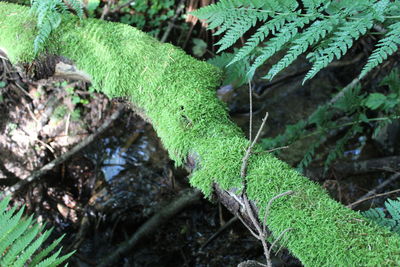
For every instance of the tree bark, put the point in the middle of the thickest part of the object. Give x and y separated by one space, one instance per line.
177 94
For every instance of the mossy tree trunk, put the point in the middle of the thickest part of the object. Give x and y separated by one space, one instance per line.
177 94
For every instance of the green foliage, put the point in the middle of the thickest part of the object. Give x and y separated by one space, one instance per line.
323 29
177 93
378 215
21 240
355 112
73 98
233 73
48 13
149 15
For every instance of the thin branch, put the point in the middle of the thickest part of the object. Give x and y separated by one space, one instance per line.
388 181
371 197
185 199
261 235
251 112
220 230
178 11
118 8
279 238
268 207
48 167
249 149
248 227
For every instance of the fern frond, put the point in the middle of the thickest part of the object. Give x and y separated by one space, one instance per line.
8 223
20 239
311 5
19 246
341 23
312 35
262 32
378 215
235 73
76 6
47 250
277 43
247 19
48 13
338 151
351 30
308 156
339 44
385 47
222 8
17 230
29 251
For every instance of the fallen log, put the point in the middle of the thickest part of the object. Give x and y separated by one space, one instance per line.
176 93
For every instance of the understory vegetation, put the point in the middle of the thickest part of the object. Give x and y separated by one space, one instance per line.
302 44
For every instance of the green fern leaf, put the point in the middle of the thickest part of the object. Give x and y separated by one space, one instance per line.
8 224
378 216
61 259
241 25
385 47
339 43
235 73
20 239
262 32
48 262
18 246
28 252
15 233
393 207
312 5
47 250
312 35
277 43
351 30
48 13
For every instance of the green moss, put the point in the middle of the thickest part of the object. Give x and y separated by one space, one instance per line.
177 94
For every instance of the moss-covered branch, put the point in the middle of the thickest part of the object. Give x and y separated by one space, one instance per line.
177 93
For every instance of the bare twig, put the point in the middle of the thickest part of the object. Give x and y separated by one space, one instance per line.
249 149
277 148
371 197
118 8
251 112
178 11
279 238
390 180
261 232
37 174
248 227
268 207
186 198
220 230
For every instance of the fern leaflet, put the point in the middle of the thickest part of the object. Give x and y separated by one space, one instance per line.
378 215
281 24
339 43
277 43
317 31
48 13
20 239
262 32
386 47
